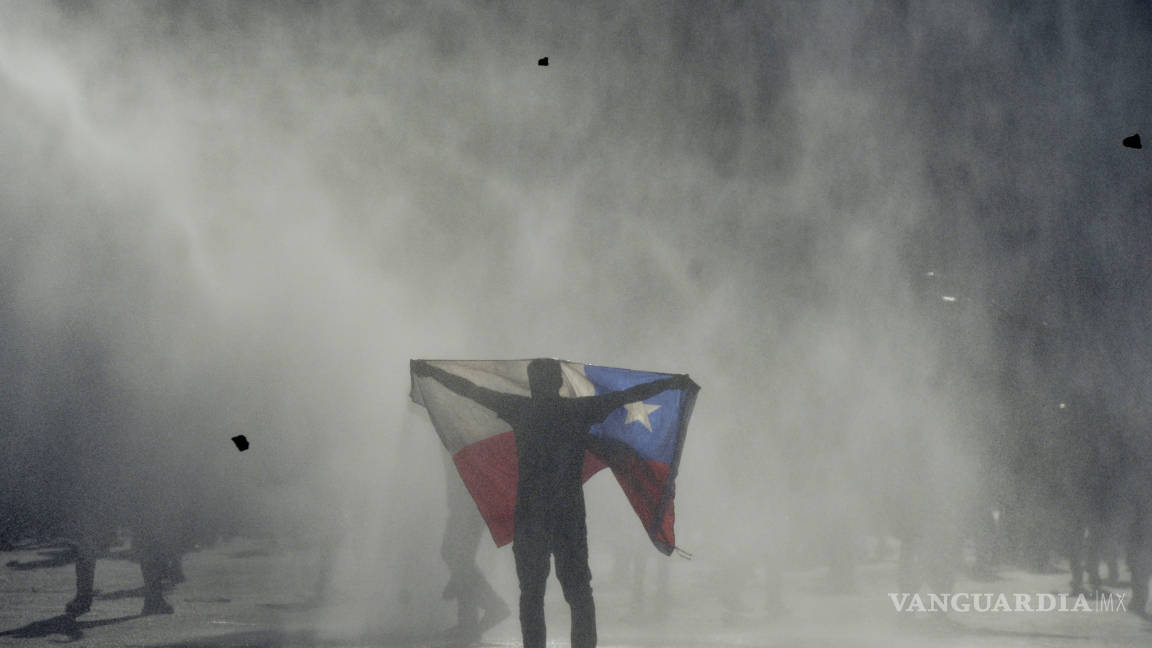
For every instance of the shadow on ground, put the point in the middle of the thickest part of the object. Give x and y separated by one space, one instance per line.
61 625
307 638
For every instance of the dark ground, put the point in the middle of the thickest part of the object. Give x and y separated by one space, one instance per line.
244 594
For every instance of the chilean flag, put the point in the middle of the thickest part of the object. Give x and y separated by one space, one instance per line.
640 442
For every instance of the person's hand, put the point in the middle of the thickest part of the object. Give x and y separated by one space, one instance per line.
420 368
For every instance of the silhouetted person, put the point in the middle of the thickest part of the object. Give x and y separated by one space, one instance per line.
1140 558
466 582
1138 546
160 525
1090 456
552 435
159 562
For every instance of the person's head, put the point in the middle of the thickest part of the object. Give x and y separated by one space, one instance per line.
544 377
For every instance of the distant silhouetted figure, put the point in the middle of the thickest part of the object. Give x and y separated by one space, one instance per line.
160 523
156 549
552 435
1092 459
467 583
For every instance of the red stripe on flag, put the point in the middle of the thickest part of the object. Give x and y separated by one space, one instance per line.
488 469
592 465
643 483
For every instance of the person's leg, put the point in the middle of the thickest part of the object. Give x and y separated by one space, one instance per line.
1074 548
1110 550
154 558
174 568
85 579
495 609
1092 554
531 548
1139 557
467 628
455 551
467 583
571 548
152 570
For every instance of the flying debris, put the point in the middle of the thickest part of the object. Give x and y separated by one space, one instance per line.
1133 141
641 442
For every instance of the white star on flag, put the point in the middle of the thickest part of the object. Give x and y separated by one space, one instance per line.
639 411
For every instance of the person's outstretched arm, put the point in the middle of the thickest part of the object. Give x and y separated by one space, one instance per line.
493 400
605 404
